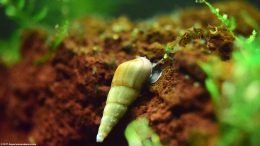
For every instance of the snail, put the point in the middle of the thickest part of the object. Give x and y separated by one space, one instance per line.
127 82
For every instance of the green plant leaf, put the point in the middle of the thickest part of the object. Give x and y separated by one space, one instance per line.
138 133
9 50
229 23
4 2
20 4
10 11
61 31
213 90
40 15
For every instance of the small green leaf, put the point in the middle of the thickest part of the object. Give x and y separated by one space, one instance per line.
199 1
10 11
60 33
9 49
231 23
168 49
41 14
4 2
20 4
251 37
138 133
132 137
213 90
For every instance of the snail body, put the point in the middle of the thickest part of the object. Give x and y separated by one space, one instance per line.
127 82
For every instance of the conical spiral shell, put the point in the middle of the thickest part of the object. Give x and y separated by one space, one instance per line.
127 82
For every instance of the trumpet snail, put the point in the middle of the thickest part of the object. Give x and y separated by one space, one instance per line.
127 82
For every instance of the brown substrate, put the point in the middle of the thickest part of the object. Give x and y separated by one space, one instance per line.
60 102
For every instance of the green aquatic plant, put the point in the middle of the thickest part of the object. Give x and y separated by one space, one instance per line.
46 14
24 14
138 133
9 50
228 21
170 48
237 100
60 32
167 50
241 121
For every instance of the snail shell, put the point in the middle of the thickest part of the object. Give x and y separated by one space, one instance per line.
127 82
